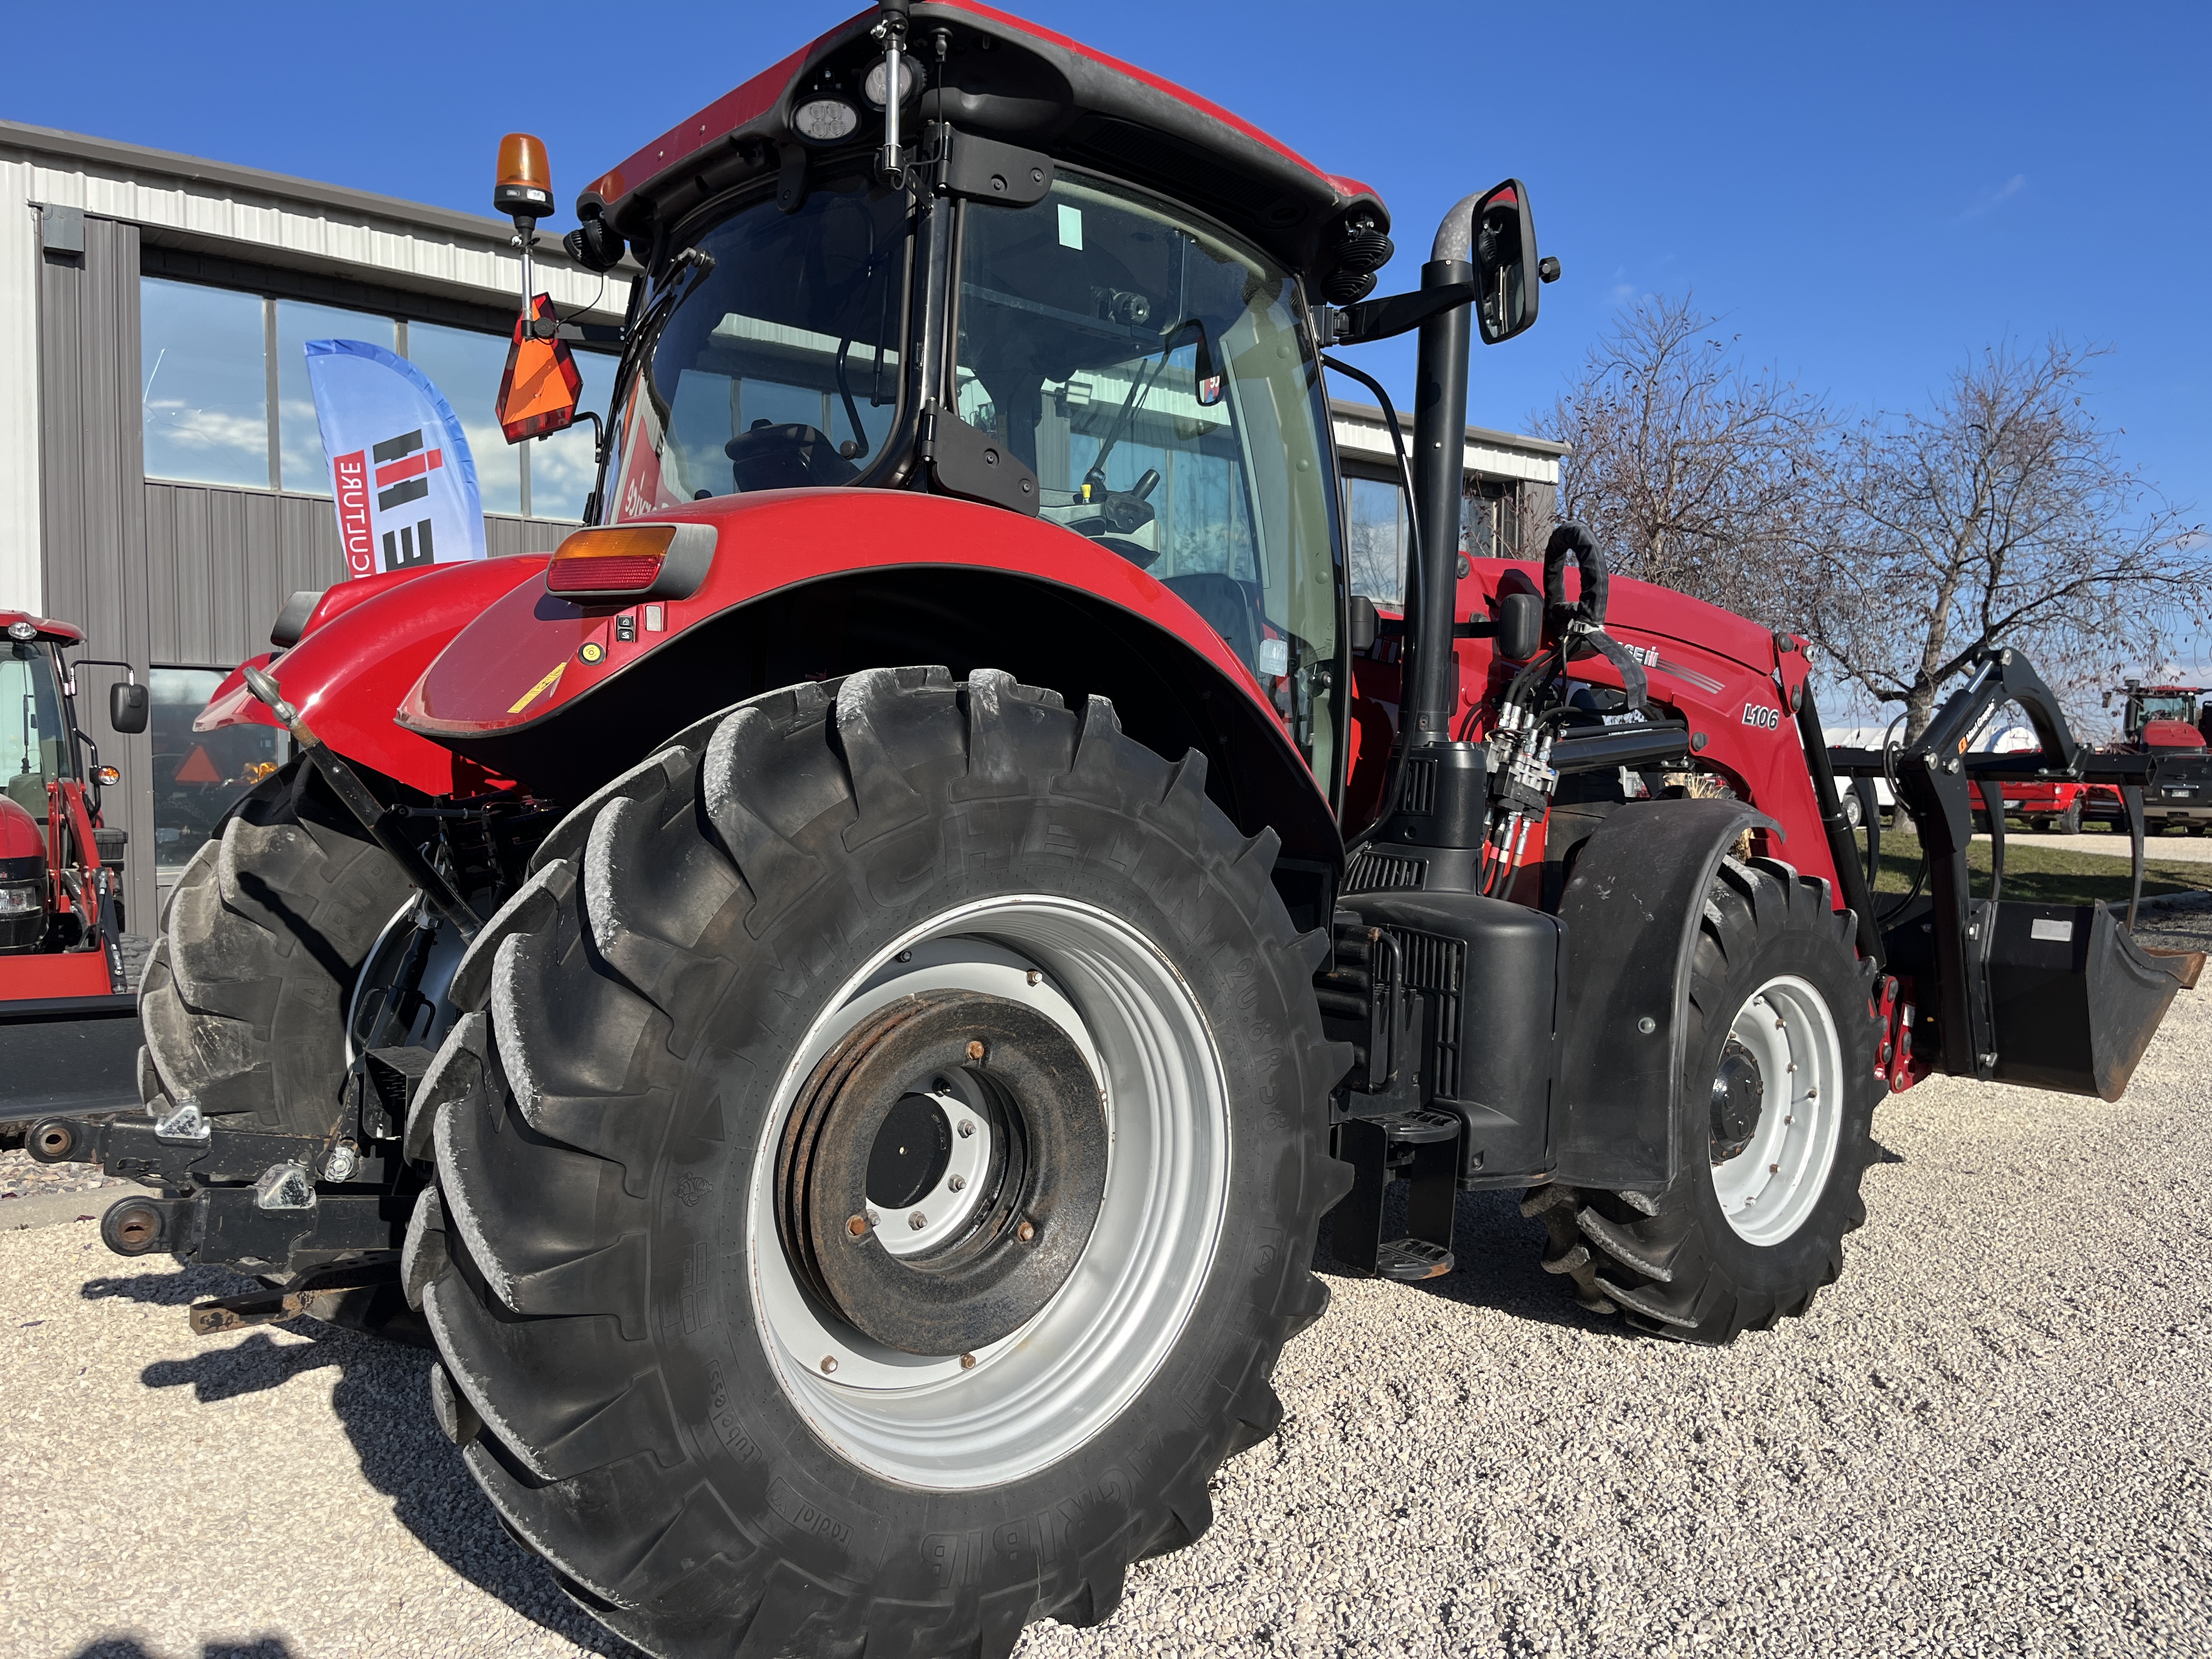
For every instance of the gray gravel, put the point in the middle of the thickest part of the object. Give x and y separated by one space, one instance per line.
1993 1437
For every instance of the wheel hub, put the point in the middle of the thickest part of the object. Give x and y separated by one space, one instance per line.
942 1171
1739 1098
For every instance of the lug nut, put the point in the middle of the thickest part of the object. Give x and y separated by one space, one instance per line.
1035 976
967 1128
975 1049
906 956
957 1182
829 1362
966 1362
1026 1232
857 1225
1774 1169
917 1221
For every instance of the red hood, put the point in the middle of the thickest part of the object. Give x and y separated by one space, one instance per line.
2171 734
20 837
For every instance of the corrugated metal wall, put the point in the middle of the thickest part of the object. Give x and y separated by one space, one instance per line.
183 575
93 541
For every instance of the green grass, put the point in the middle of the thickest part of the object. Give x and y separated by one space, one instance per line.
2043 874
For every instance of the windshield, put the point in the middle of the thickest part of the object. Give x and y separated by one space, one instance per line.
2168 707
779 366
34 746
1154 376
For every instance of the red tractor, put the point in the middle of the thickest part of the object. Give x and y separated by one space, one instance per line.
840 999
69 1039
2160 722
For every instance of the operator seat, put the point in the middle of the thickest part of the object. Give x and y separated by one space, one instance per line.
1230 608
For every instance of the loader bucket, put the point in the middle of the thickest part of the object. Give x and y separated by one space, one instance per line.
2074 997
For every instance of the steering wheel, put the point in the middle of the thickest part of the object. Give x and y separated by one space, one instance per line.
790 457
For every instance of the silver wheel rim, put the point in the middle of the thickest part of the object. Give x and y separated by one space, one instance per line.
1035 1395
1770 1189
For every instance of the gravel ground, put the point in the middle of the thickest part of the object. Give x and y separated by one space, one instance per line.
20 1177
1993 1437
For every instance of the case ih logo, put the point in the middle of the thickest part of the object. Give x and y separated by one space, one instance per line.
402 473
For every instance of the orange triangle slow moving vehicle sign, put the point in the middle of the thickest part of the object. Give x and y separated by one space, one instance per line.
198 768
537 393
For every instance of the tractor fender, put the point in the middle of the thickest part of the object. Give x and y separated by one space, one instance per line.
360 655
1632 911
1169 691
809 584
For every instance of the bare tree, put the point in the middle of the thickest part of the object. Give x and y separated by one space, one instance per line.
1690 468
2002 515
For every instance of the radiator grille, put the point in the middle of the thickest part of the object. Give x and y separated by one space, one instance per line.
1436 966
1381 872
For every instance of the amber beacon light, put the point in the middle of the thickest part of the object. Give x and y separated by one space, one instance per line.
632 562
524 189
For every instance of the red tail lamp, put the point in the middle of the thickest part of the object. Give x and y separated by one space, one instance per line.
632 562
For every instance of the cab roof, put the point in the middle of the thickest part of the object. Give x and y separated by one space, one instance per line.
1004 78
58 633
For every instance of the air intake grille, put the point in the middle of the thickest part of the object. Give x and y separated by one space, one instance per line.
1379 872
1436 966
1420 787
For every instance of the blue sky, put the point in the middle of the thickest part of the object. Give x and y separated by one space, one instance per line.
1867 194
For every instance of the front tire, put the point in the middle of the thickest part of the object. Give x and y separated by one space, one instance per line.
1772 1133
701 1376
246 994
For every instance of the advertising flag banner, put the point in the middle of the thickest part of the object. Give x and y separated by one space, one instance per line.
404 481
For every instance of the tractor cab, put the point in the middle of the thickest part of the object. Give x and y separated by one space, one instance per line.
1142 375
35 746
2160 716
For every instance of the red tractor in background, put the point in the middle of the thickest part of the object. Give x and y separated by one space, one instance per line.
69 1037
839 1000
2158 721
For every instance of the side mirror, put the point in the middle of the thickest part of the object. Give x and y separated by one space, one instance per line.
1507 270
127 708
537 393
1520 625
1364 624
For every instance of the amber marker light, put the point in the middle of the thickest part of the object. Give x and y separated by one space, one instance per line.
632 562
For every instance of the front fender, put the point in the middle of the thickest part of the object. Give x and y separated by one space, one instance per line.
1632 911
347 676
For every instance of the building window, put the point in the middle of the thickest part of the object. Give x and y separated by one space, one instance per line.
204 374
226 400
1377 530
1490 524
198 774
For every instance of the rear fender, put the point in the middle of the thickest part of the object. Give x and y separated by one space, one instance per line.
813 584
359 656
1632 911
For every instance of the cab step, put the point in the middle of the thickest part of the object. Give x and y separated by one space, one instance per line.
1420 1146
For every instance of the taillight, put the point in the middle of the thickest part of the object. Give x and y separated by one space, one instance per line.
632 561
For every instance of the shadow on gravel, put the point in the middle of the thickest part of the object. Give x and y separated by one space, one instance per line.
382 1398
125 1647
1498 1251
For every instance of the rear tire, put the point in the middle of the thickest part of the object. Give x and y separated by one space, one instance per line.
2069 822
714 1460
246 989
1776 982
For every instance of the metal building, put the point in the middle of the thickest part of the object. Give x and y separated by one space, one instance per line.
164 487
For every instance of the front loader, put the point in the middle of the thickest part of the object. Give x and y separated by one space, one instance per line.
839 1000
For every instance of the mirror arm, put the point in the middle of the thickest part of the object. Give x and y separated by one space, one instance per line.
1393 314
